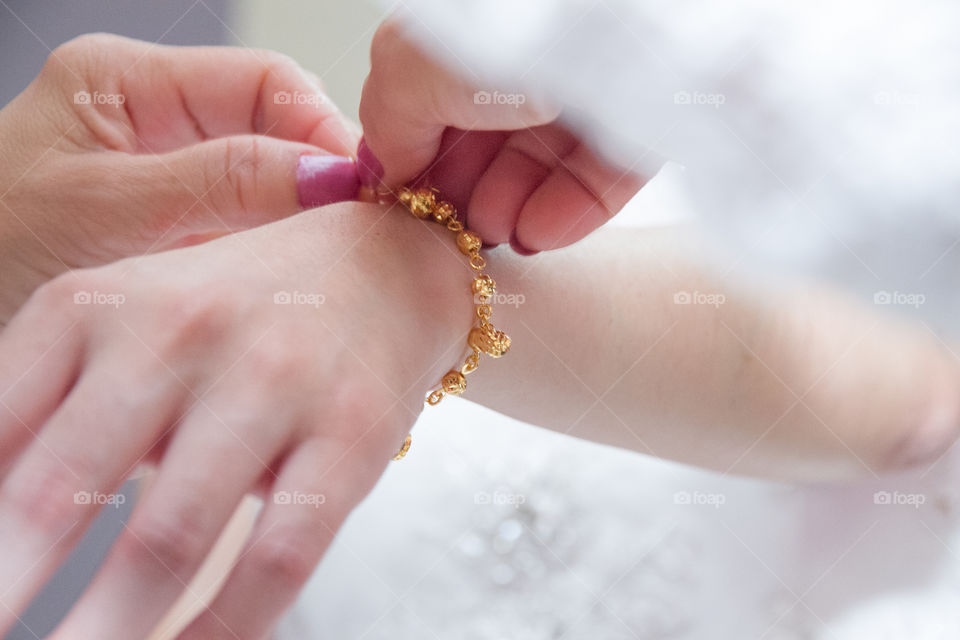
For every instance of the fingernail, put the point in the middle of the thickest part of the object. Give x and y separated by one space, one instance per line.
519 248
368 166
491 245
325 179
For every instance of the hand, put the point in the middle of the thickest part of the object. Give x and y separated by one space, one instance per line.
299 373
520 175
120 147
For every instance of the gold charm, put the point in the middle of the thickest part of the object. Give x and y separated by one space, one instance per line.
444 212
468 242
420 202
483 338
487 339
403 448
454 383
484 286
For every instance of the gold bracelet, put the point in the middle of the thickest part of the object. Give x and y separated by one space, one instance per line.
483 338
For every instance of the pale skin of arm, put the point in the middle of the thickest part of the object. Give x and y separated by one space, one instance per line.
690 391
799 384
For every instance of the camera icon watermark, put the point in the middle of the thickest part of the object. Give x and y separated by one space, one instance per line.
499 98
298 498
698 297
699 98
899 298
113 99
299 298
99 499
99 298
896 498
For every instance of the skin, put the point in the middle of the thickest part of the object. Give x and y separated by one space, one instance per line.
522 175
184 361
200 373
199 148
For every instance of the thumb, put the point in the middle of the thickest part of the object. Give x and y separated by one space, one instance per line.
234 183
409 99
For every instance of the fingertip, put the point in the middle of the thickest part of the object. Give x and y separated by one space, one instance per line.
325 179
369 168
519 247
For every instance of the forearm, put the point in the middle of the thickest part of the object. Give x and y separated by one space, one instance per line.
798 384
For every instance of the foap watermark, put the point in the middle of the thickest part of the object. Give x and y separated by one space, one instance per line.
699 297
299 97
85 97
896 498
299 498
499 98
99 297
299 297
500 497
700 498
99 499
699 98
513 299
899 298
897 99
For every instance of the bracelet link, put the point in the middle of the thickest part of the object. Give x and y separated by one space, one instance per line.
483 337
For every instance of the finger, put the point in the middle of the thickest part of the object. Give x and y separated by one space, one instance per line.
66 474
318 487
235 183
581 193
409 99
463 159
546 190
213 460
176 96
39 358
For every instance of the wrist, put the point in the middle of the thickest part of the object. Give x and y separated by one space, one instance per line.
407 270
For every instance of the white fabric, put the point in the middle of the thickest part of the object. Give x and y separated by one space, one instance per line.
816 136
819 136
491 529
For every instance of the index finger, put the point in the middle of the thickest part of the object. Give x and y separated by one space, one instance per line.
176 96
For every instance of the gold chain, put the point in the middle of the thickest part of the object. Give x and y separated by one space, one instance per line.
483 338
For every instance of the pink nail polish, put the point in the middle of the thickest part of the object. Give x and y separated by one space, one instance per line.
369 168
519 248
325 179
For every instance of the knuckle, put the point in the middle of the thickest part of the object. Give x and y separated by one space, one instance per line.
239 172
82 47
354 406
89 44
174 540
277 62
387 39
280 361
284 559
193 317
82 54
44 496
52 294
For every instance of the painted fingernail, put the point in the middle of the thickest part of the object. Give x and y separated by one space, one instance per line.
324 179
519 248
368 166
